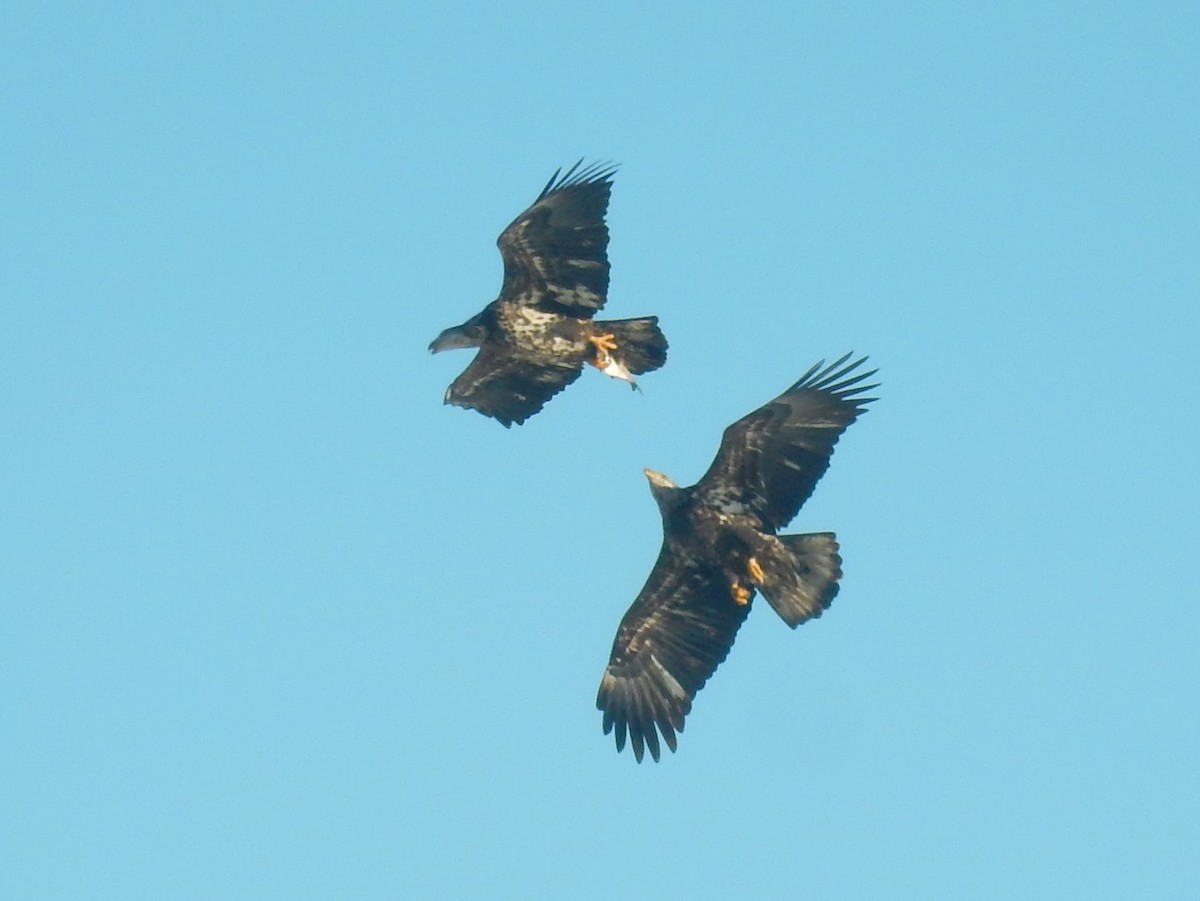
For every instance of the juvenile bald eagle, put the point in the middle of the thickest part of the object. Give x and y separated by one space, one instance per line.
535 337
720 546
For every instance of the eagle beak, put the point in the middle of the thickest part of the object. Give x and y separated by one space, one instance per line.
658 480
450 339
469 334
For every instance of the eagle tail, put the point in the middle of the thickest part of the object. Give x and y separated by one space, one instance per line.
801 575
641 345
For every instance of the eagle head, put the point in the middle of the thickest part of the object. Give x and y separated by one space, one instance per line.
470 334
664 489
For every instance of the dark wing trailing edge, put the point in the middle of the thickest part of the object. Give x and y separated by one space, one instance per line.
771 459
671 640
556 252
510 386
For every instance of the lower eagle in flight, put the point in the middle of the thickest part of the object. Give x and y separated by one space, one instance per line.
720 546
536 336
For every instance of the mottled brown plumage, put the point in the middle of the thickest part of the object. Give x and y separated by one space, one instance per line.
536 336
720 546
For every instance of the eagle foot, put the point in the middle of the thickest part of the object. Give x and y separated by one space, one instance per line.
604 344
741 594
755 571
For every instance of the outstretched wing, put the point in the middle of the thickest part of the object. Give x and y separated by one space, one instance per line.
770 461
508 385
671 640
556 252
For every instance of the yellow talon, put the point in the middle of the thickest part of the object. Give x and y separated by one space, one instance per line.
755 572
741 594
604 342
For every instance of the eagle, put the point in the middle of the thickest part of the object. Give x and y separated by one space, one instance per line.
535 337
720 546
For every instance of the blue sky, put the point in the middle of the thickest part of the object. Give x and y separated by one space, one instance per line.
278 624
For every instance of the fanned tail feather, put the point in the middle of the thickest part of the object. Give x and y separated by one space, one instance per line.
641 345
801 582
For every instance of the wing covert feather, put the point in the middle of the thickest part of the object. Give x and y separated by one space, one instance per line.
771 459
510 386
674 636
556 252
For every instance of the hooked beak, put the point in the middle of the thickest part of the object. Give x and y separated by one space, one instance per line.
658 480
470 334
451 339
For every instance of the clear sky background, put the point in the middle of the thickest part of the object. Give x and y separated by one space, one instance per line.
278 624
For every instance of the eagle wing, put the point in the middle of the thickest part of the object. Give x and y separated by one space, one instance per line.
671 640
770 460
508 385
556 252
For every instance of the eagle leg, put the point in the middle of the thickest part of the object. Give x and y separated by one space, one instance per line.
755 571
607 363
604 344
742 592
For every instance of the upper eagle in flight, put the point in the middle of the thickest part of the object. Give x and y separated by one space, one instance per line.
720 545
535 337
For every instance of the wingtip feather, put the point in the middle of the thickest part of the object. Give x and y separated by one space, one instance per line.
599 171
841 379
